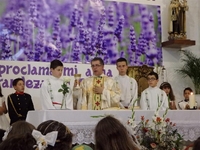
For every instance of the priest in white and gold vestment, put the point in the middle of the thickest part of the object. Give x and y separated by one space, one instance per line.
98 91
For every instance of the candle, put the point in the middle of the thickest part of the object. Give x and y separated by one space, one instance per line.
191 100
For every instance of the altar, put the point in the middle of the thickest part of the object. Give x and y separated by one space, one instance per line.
82 122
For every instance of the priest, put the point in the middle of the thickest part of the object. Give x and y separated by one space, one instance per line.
98 91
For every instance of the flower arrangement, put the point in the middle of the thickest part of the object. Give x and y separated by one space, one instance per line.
158 134
64 89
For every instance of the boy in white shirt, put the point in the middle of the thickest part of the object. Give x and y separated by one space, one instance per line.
184 104
128 85
50 97
153 97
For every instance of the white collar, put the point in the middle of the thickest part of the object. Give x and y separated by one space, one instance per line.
55 78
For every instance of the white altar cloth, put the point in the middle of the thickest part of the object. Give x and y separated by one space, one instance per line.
82 125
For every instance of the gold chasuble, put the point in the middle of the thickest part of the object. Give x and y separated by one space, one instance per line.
87 99
96 103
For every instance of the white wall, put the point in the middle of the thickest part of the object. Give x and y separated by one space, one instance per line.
171 57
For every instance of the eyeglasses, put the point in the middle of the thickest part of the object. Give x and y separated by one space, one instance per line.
97 65
151 79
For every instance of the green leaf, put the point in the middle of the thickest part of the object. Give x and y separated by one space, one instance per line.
190 68
97 116
64 86
60 90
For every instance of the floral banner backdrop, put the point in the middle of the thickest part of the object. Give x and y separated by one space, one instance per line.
79 30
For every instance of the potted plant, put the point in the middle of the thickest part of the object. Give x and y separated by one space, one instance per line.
191 68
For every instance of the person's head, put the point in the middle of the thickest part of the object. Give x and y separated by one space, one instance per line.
196 145
110 133
19 142
1 134
165 86
186 92
122 66
97 65
82 147
152 79
64 138
56 67
20 128
18 84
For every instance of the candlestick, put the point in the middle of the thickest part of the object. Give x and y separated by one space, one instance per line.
191 100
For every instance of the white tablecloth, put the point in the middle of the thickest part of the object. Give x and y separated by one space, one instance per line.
82 124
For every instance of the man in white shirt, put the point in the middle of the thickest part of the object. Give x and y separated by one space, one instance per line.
153 97
98 91
49 95
128 85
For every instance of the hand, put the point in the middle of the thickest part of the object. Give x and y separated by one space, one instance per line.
98 89
187 107
172 105
76 82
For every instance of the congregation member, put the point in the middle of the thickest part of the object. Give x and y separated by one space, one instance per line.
20 142
19 128
153 97
165 86
128 85
4 124
184 104
49 95
19 103
196 145
2 131
98 91
64 135
82 147
111 134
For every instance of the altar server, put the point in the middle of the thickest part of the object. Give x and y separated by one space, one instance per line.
165 86
153 97
98 91
19 103
49 95
128 85
184 104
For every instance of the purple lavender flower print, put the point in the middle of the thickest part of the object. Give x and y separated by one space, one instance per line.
78 30
5 45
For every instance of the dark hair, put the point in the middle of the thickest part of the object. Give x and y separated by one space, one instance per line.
1 95
2 134
196 145
64 138
153 74
19 142
187 89
165 85
110 134
98 59
20 127
121 60
56 63
15 81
